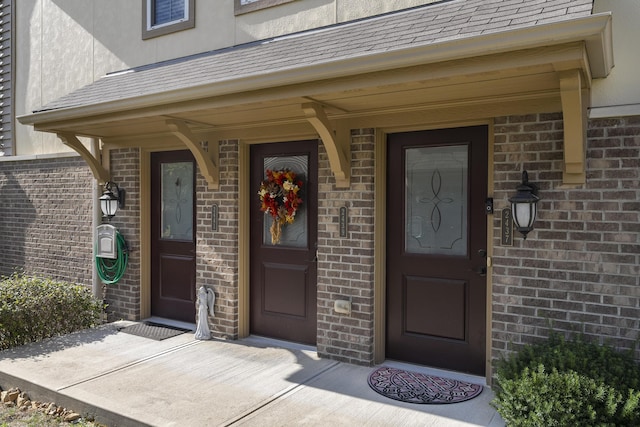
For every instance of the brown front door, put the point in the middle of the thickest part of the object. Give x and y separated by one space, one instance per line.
283 274
173 250
436 248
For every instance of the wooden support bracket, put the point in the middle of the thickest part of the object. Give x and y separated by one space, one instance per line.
574 111
336 140
99 172
207 161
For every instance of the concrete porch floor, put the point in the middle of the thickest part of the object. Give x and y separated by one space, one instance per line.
127 380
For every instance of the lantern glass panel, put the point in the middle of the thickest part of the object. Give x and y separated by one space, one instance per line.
522 213
108 205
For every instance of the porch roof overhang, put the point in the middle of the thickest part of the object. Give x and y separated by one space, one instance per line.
537 68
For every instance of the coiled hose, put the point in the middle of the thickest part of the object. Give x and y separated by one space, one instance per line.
111 271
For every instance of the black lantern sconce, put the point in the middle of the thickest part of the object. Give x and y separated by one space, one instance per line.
524 205
110 202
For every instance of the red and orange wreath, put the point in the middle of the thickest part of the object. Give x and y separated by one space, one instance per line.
279 198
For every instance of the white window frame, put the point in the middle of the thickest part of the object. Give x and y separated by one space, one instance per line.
150 31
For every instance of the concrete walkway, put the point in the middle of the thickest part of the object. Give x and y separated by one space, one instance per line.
126 380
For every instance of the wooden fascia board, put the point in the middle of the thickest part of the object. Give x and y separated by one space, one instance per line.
207 161
257 133
336 140
99 172
600 49
455 113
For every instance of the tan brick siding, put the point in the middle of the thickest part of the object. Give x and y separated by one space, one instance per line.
123 297
345 265
217 251
46 218
579 269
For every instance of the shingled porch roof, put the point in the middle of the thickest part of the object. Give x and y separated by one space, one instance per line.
413 52
440 23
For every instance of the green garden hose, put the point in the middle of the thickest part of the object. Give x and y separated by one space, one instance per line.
110 271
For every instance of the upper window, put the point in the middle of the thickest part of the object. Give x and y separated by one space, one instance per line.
161 17
244 6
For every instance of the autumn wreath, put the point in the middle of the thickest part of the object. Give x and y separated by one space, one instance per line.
279 198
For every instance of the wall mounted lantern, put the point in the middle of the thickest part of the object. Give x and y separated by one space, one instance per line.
524 205
109 202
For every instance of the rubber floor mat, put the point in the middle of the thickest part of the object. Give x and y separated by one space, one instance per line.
153 331
413 387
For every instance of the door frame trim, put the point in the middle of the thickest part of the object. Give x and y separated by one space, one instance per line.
244 221
145 224
380 227
244 242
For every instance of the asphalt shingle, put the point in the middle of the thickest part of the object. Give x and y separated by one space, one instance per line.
425 25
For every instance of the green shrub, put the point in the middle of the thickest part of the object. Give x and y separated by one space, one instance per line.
32 309
568 383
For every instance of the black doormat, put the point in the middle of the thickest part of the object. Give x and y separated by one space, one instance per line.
413 387
153 331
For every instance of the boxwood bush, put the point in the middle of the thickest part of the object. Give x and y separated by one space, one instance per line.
32 309
562 382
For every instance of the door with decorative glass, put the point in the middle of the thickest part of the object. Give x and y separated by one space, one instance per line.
173 228
283 211
436 248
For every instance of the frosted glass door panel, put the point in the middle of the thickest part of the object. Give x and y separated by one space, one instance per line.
177 201
436 199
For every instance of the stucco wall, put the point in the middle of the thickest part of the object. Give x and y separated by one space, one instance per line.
619 93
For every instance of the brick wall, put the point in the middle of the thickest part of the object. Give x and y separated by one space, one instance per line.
579 269
123 297
46 218
345 265
217 251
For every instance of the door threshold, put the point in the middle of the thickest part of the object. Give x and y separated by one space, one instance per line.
261 341
427 370
171 322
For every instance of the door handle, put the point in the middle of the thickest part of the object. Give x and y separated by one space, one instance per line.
481 271
315 258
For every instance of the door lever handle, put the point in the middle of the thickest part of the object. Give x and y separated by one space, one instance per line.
482 271
315 258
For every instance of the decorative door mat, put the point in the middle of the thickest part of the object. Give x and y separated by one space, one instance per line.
153 331
413 387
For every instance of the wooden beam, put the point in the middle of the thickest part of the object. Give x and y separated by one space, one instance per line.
99 172
207 161
574 111
336 141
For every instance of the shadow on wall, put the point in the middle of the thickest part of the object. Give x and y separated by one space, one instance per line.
17 213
